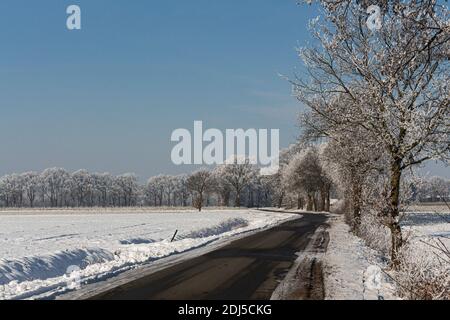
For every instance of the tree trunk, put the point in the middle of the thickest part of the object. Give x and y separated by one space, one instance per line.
199 201
310 204
299 202
251 199
356 205
327 201
394 200
323 197
238 200
280 200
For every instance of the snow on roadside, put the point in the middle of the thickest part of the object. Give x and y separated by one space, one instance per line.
37 250
351 269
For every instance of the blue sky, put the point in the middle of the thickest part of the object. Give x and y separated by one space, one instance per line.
107 97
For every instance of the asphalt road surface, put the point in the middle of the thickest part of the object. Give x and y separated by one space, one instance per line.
247 269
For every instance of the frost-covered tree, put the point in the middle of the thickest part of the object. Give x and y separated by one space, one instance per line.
258 191
156 188
128 188
392 83
433 189
199 183
53 184
169 187
181 191
151 193
31 186
221 186
238 173
351 159
12 187
278 187
103 186
305 176
82 186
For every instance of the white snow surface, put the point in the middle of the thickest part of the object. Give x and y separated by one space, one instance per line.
425 231
351 269
38 249
426 226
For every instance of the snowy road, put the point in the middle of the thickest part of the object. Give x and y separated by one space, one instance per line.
44 253
249 268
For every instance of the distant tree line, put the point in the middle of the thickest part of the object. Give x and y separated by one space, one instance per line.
434 189
56 188
301 182
233 184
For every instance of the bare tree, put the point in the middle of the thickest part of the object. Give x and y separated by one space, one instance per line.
238 174
181 191
53 182
128 188
31 186
221 186
199 183
82 186
12 187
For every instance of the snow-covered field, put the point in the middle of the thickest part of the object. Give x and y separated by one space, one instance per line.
427 223
46 253
427 259
427 226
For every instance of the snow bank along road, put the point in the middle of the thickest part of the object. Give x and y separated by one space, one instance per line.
248 268
46 253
